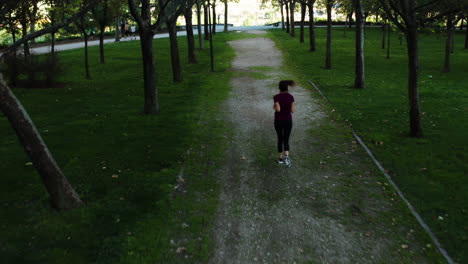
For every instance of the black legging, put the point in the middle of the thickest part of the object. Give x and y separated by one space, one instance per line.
283 130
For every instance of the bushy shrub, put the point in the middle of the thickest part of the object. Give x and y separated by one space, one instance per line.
10 69
33 71
52 68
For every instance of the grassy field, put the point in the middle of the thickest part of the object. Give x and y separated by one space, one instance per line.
124 164
431 171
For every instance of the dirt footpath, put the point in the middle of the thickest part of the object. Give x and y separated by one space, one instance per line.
271 214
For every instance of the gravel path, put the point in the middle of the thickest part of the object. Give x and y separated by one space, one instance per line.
271 214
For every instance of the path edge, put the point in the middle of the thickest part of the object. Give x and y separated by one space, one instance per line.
394 185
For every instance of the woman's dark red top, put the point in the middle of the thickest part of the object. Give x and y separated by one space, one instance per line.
285 101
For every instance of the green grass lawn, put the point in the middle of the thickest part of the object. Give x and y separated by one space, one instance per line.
432 171
123 164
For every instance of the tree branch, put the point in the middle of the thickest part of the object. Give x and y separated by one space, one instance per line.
47 30
426 4
133 11
392 16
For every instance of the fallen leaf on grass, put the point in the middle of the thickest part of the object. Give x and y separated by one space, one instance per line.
404 246
181 250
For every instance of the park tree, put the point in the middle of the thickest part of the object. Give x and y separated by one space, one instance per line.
286 7
213 21
328 53
23 10
188 15
226 9
55 11
103 19
346 7
62 195
211 38
310 5
141 12
407 16
198 4
464 13
281 6
359 76
116 10
403 15
303 4
466 35
10 23
170 20
84 25
452 15
206 14
292 8
389 34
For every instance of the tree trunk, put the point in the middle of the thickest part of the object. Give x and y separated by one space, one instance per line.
199 27
226 16
453 40
389 32
303 13
149 72
52 34
350 20
359 81
102 24
14 71
466 35
24 30
213 30
413 92
62 194
52 43
448 43
384 34
88 75
175 59
117 26
33 18
292 6
328 63
206 13
311 25
192 59
101 43
282 15
288 28
211 45
346 26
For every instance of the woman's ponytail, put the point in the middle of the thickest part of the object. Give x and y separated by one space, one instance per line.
284 84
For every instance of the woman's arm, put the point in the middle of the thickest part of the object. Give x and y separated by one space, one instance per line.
277 107
293 107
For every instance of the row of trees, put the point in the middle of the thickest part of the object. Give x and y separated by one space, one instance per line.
408 16
151 18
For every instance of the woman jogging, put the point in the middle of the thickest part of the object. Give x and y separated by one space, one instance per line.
284 107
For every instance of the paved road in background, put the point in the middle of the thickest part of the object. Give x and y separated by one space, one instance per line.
77 45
